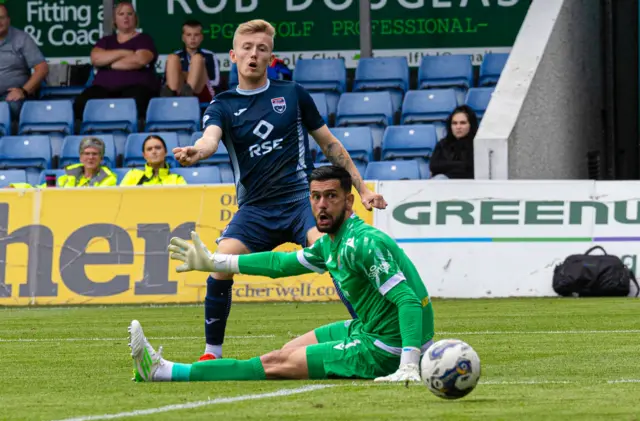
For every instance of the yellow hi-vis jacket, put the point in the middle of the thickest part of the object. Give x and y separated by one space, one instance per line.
74 177
140 177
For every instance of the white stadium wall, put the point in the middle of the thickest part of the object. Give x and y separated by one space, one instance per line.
504 238
545 113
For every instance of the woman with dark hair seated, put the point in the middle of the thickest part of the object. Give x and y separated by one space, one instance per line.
453 155
156 171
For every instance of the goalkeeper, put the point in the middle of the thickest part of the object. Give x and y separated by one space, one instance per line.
395 325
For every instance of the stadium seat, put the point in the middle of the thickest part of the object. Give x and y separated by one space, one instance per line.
323 75
392 170
454 71
428 106
478 99
180 114
71 154
383 73
491 68
200 175
61 92
373 109
415 142
5 119
50 117
133 148
12 176
31 153
358 141
111 116
446 71
120 173
320 99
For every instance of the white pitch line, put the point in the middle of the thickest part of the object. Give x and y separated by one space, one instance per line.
541 332
198 404
488 332
159 338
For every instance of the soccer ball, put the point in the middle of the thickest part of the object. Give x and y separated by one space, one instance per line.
450 369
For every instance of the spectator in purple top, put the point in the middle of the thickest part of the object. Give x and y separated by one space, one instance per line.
125 62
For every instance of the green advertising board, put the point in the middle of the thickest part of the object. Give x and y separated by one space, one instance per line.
305 28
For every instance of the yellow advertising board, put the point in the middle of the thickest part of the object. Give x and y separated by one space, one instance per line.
109 246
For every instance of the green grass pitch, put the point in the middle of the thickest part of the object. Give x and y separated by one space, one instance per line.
542 359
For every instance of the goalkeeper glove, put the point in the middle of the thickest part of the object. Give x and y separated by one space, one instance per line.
408 371
196 256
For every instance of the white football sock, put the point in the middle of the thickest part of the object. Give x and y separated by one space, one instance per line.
163 373
214 349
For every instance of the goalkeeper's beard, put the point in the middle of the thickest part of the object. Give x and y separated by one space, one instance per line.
335 226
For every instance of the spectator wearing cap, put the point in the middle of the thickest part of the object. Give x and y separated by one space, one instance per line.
89 172
19 54
156 170
192 71
126 64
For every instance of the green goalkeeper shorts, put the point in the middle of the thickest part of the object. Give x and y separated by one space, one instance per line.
343 351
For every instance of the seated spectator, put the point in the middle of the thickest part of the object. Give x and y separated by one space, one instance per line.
156 171
89 172
126 64
18 55
453 155
192 71
278 70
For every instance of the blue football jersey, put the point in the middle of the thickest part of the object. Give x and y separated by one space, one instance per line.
265 131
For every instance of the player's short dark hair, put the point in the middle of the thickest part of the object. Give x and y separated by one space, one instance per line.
6 8
192 23
332 172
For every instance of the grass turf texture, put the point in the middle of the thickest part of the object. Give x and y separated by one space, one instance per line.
541 359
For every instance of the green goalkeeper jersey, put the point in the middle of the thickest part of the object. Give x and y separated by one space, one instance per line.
374 274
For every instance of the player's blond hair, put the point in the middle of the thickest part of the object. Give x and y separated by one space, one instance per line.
255 26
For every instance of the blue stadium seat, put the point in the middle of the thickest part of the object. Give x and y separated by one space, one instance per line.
383 73
233 76
32 153
180 114
12 176
392 170
133 148
428 106
323 75
5 119
491 68
320 99
415 142
373 109
200 175
111 116
358 141
478 99
70 150
445 72
50 117
120 173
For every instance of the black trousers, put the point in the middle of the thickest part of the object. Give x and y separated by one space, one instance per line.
141 94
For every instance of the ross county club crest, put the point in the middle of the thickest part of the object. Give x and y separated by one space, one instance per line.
279 104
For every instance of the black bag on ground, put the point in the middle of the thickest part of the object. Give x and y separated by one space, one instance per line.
587 275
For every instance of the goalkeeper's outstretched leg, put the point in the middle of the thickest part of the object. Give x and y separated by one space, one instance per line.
353 357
